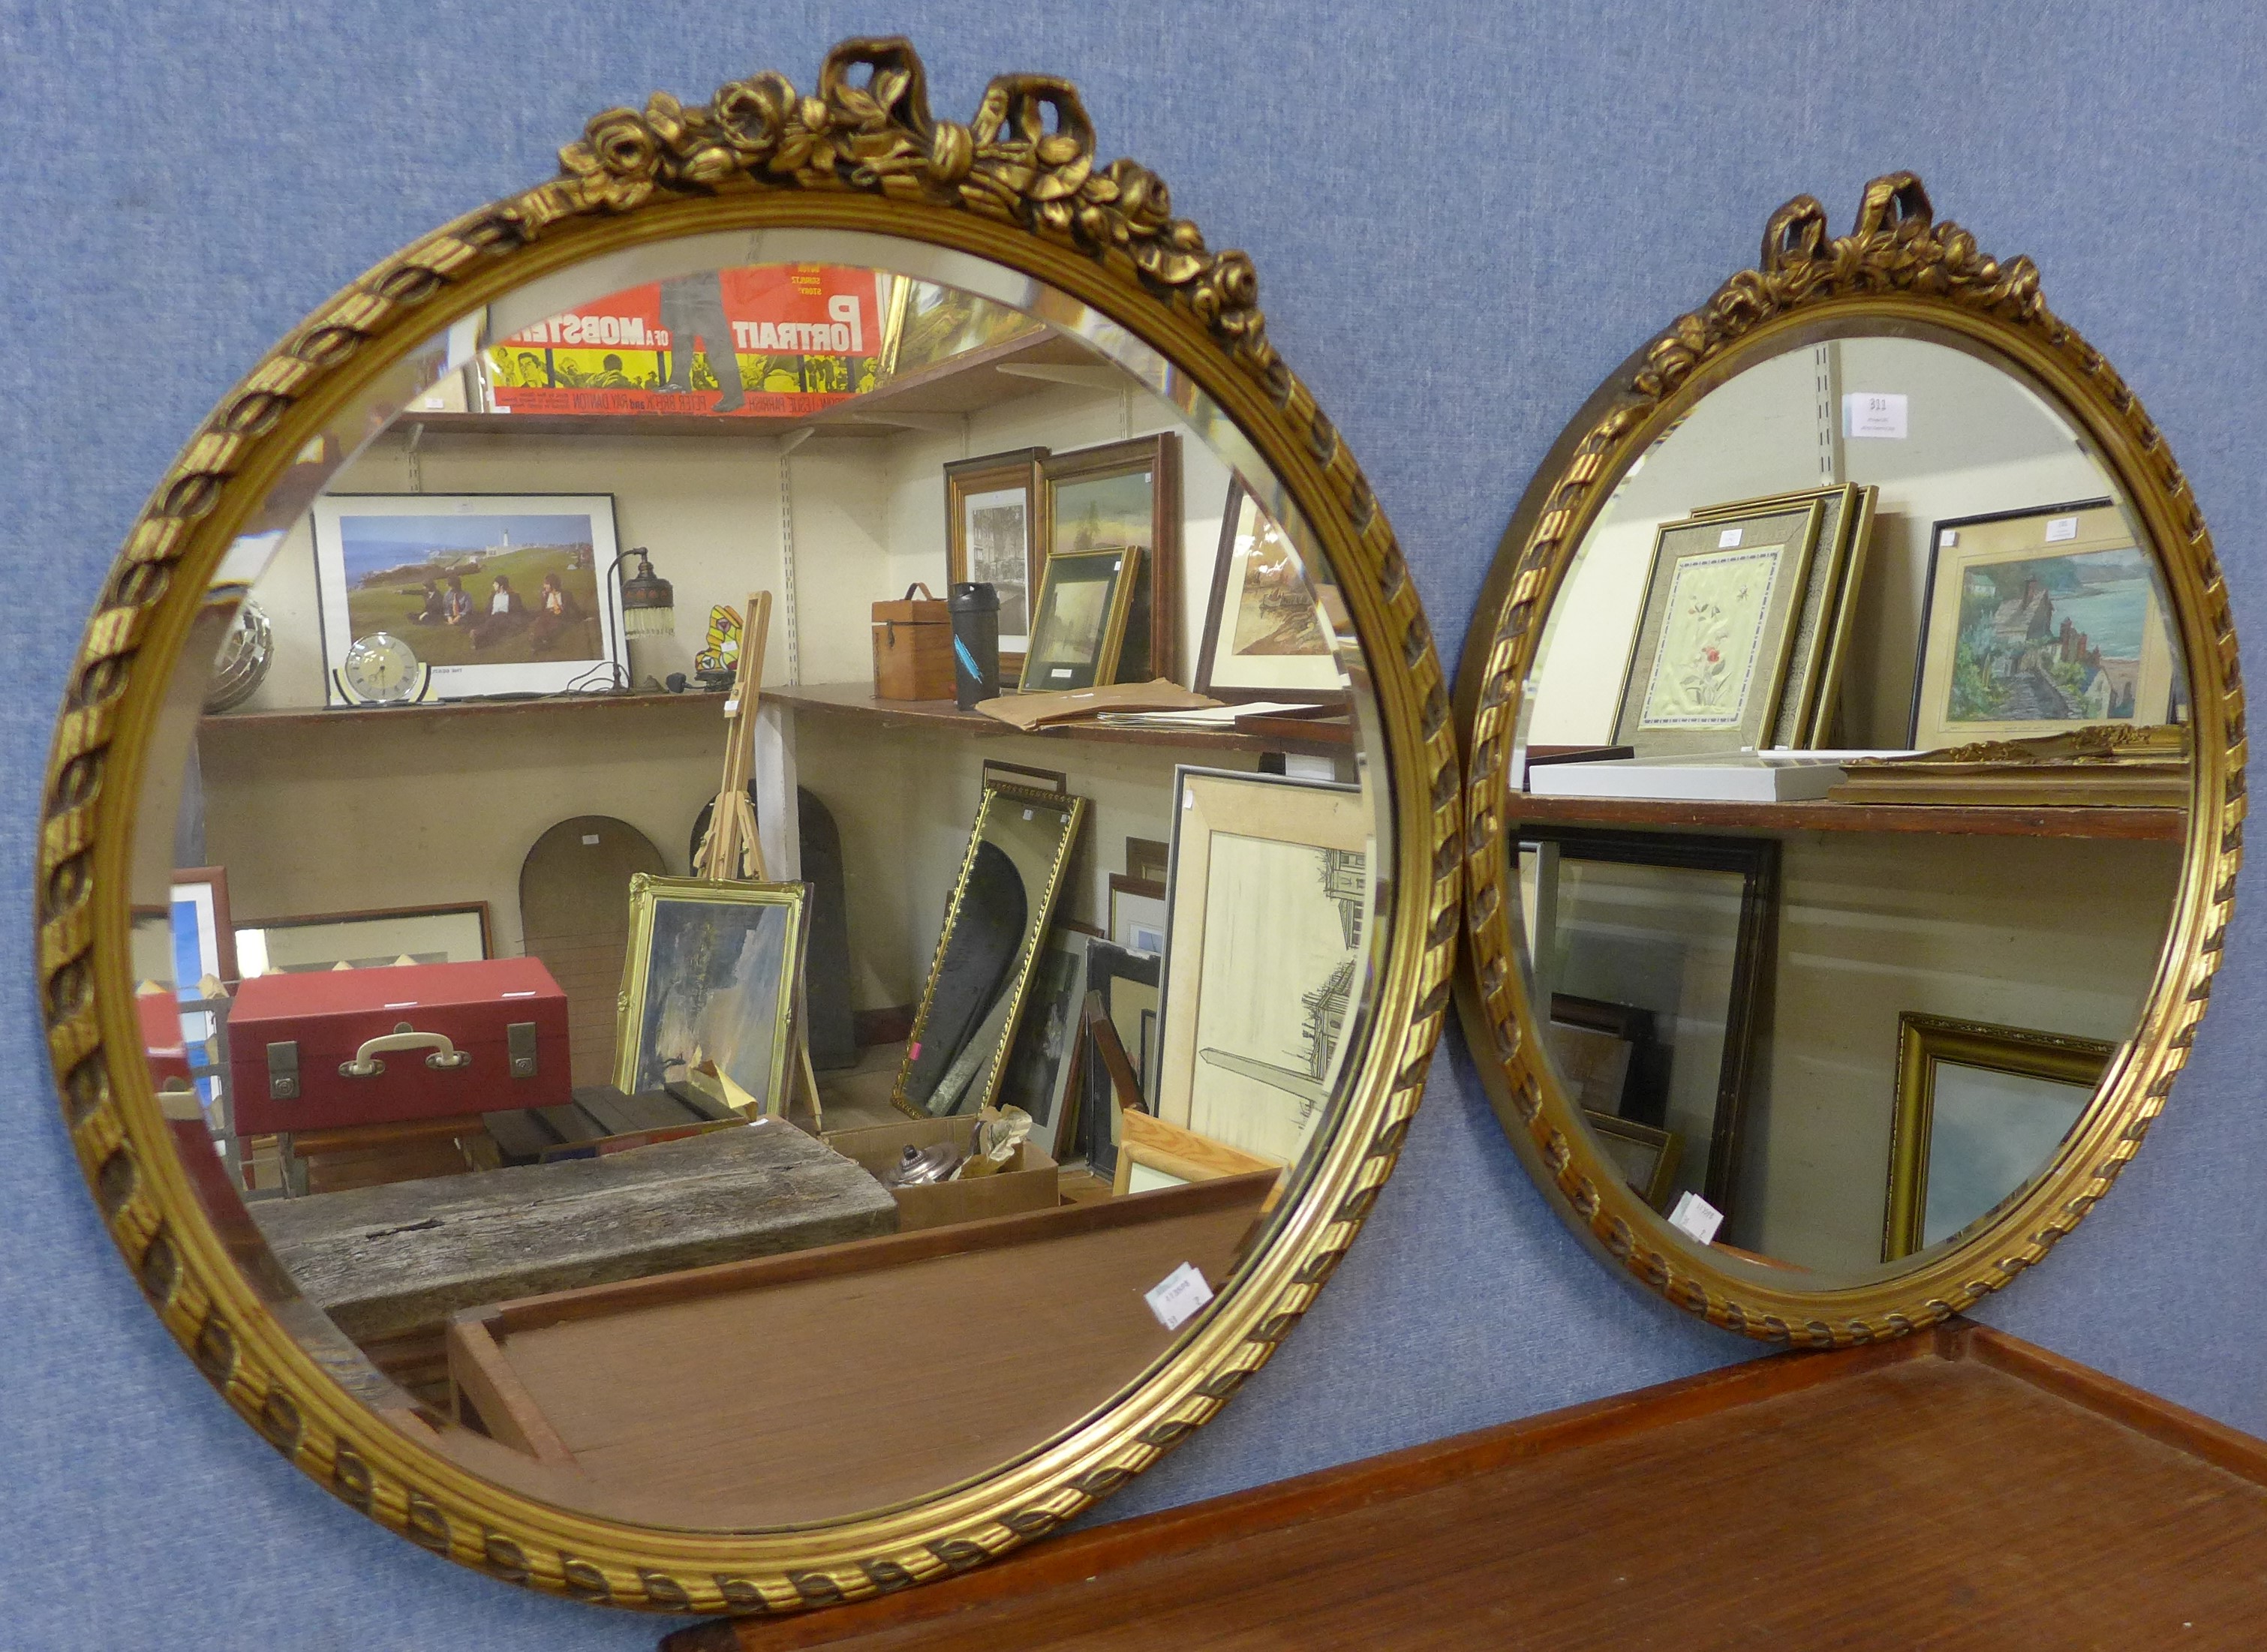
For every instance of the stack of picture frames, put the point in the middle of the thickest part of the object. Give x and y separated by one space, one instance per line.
1084 552
1742 641
1084 549
1202 1036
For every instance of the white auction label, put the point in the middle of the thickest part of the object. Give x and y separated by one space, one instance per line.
1697 1217
1181 1294
2062 527
1873 413
1730 537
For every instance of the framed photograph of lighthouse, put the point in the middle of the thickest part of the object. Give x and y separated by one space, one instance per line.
498 593
2039 622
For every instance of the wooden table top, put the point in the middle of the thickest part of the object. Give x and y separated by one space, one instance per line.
403 1256
1956 1489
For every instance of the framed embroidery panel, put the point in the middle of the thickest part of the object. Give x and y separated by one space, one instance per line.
1722 602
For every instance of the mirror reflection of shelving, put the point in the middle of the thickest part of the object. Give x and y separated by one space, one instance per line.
1796 786
941 937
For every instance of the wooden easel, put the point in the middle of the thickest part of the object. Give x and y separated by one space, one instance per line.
732 851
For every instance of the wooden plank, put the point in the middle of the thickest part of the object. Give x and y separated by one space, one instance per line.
479 1372
873 1255
502 713
1890 1496
2138 824
385 1259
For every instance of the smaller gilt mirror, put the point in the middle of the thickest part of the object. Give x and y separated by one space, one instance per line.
1854 755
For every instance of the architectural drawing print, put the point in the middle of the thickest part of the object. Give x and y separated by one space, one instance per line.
1283 937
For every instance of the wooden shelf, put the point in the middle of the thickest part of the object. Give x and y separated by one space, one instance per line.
2163 825
967 383
856 700
343 716
853 700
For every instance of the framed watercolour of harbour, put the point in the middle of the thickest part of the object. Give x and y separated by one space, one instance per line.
498 593
2039 622
1265 939
1714 636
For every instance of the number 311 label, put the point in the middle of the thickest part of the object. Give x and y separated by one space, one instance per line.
1873 414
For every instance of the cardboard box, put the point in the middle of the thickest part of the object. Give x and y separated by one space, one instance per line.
1027 1183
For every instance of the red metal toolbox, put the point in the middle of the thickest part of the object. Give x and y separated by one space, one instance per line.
340 1046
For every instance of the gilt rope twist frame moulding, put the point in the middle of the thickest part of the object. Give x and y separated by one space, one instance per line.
860 155
1899 269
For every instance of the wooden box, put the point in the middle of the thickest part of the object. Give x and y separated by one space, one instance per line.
1028 1183
912 648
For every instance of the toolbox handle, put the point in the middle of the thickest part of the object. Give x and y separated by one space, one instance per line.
445 1057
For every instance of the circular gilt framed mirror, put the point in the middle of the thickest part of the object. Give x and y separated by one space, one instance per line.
596 1010
1854 780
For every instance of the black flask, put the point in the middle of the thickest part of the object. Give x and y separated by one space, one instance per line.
975 608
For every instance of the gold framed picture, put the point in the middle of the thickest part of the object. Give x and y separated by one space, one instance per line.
994 929
1721 602
1079 623
1267 935
992 533
1126 496
1818 652
1267 637
1646 1156
711 976
2040 622
1979 1109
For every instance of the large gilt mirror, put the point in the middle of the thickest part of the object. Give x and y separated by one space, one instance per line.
1854 778
595 1011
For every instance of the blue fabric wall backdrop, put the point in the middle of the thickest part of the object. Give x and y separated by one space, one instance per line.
1463 216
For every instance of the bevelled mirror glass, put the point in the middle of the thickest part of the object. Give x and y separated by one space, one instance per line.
1850 716
594 1006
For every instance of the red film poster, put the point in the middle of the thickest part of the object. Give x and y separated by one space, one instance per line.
772 341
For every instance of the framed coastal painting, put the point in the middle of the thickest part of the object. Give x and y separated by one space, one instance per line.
2039 622
1126 496
992 536
1979 1108
710 978
1266 928
1722 602
1266 636
498 593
